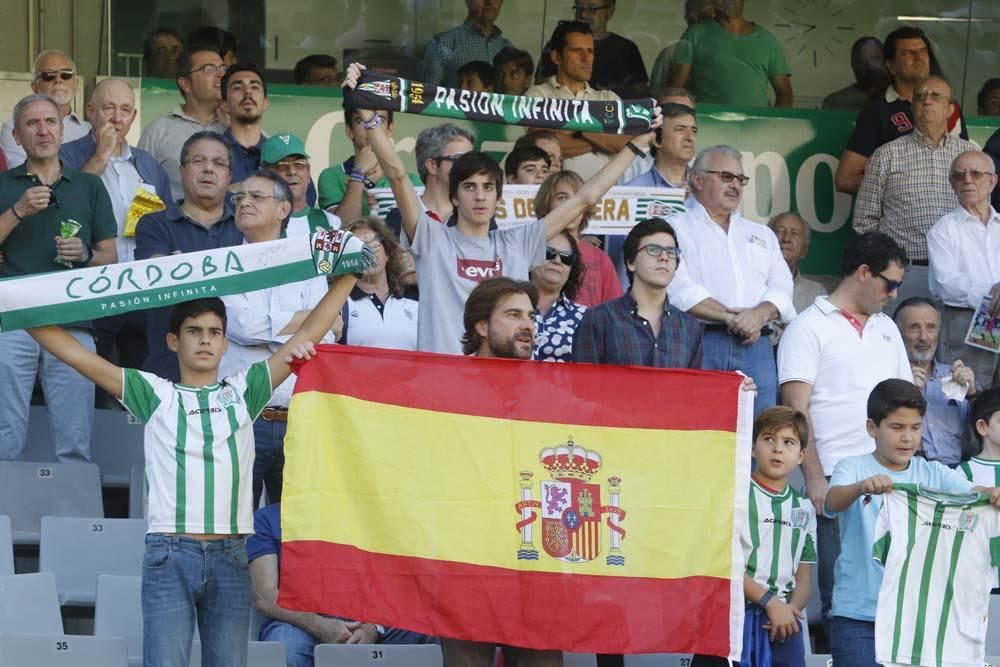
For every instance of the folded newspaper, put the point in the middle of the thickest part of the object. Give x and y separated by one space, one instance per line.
984 330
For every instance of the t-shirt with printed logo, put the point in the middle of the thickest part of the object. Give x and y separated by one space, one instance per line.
449 266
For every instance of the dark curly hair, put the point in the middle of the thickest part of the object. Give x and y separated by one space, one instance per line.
576 270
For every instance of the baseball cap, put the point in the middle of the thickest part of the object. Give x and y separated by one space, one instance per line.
281 146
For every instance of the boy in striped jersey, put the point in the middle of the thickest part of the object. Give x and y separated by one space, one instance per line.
199 448
895 414
984 468
779 542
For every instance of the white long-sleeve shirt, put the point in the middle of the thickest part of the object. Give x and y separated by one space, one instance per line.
964 257
739 269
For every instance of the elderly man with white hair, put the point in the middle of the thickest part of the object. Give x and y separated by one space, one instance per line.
732 274
794 235
964 253
55 76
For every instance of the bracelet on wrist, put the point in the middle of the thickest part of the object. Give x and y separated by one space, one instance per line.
373 123
13 209
764 599
361 176
635 149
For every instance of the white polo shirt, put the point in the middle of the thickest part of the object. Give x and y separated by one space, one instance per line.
964 257
393 326
823 348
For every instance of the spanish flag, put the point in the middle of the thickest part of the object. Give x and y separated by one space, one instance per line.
549 506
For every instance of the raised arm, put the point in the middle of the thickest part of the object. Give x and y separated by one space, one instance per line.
61 345
385 152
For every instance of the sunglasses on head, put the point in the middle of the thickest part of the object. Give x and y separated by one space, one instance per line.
50 75
565 256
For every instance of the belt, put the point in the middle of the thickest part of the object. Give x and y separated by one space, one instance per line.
275 414
722 328
919 262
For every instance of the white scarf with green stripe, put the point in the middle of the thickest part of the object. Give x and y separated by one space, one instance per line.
84 294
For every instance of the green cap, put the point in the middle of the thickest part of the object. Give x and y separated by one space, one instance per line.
280 146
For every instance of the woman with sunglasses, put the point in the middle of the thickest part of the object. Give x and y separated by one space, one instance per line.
376 313
558 314
600 281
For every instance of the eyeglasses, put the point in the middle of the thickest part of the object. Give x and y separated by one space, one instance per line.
728 176
255 197
960 174
209 69
287 165
580 9
933 94
566 257
50 75
655 250
890 285
452 157
200 161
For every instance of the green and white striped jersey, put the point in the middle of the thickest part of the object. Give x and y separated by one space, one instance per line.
199 448
780 534
940 553
981 472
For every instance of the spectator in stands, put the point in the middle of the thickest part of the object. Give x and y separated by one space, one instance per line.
199 73
317 70
733 275
160 51
944 424
964 266
906 187
286 154
477 76
617 65
600 280
527 165
672 149
870 77
343 188
668 95
261 321
830 358
548 141
377 314
54 76
558 314
244 95
36 198
513 68
452 260
221 41
909 59
573 55
136 184
301 631
200 220
478 38
695 11
729 60
988 98
793 234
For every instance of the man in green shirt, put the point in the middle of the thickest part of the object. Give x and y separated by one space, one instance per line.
730 60
286 154
52 218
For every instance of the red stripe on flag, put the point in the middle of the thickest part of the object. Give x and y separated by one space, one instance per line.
536 610
630 396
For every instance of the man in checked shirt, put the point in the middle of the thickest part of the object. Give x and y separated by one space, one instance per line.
907 187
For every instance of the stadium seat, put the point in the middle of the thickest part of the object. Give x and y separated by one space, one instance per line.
579 660
259 654
29 603
29 491
658 660
383 655
819 661
58 650
77 550
6 547
993 629
118 612
137 492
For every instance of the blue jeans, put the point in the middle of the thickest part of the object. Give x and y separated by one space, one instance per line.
828 550
186 580
69 395
299 644
722 351
852 642
269 459
788 653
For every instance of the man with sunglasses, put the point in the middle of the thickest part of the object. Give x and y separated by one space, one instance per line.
286 154
962 249
54 76
733 276
200 71
829 359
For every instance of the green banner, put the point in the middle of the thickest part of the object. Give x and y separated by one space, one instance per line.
791 155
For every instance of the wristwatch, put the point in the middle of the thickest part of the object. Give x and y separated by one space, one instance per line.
765 598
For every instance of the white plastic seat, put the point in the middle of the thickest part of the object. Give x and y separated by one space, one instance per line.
6 547
137 492
29 603
259 654
118 612
383 655
993 629
658 660
58 650
29 491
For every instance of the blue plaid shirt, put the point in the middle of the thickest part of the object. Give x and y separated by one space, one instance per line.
615 333
449 50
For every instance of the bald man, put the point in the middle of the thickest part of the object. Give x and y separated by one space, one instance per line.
135 181
55 76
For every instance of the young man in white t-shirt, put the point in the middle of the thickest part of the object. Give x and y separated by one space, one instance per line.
451 261
199 447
